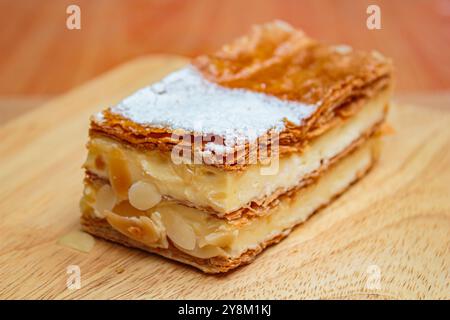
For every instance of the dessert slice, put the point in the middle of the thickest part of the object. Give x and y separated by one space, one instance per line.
226 156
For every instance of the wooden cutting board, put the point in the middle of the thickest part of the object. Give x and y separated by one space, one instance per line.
387 237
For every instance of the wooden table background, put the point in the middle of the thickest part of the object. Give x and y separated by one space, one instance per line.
40 56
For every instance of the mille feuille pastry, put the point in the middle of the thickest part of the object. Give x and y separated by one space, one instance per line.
225 156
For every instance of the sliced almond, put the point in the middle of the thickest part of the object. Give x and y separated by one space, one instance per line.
157 221
141 228
78 240
125 209
179 231
208 252
99 162
143 195
105 199
156 218
205 252
119 173
221 238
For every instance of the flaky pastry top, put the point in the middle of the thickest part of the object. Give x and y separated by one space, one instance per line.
276 61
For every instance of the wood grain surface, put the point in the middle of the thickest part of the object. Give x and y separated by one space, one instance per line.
388 237
39 55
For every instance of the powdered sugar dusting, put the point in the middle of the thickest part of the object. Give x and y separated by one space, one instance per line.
98 117
185 100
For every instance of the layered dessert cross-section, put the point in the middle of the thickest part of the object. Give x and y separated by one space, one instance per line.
225 156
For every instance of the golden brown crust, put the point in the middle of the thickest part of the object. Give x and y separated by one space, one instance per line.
282 62
101 228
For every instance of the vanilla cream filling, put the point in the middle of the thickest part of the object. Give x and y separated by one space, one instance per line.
204 236
210 187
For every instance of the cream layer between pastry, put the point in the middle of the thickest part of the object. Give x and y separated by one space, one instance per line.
201 235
